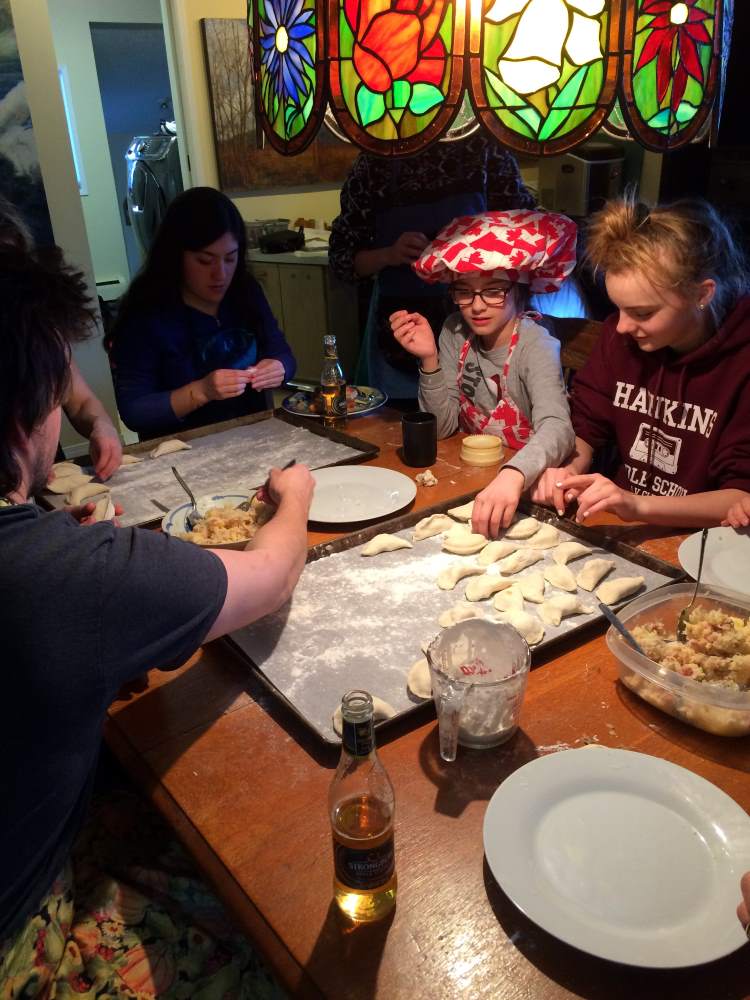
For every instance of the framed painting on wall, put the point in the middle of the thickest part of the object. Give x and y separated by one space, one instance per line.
243 167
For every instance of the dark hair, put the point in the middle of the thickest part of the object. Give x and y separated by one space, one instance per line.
44 307
195 219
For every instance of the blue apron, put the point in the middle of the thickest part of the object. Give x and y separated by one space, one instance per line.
383 362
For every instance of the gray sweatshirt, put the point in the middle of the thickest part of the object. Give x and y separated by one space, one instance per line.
535 385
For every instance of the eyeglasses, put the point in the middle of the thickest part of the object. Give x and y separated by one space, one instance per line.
490 296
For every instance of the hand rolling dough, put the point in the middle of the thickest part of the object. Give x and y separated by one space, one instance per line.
560 577
432 525
167 447
385 543
617 590
450 576
593 572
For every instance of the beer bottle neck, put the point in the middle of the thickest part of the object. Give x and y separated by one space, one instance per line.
358 738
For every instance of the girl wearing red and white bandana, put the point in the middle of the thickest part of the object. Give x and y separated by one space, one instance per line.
497 371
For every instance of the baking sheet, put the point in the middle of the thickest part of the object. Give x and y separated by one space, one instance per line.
231 460
359 622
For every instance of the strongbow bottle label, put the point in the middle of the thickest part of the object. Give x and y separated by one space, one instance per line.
364 868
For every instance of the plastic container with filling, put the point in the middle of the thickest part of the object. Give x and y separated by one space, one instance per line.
702 704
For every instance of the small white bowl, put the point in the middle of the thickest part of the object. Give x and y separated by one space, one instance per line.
174 521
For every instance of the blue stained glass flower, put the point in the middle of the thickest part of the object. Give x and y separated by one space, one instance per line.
283 49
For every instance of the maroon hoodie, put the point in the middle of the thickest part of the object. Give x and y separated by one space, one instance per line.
681 421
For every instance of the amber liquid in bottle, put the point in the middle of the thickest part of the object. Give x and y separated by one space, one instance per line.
361 807
332 383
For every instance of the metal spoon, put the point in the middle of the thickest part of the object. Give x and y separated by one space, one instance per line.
624 632
192 517
685 613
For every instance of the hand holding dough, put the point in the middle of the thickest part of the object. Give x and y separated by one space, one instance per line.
462 513
560 577
385 543
462 541
519 560
82 493
560 606
432 525
532 587
459 613
568 551
418 680
617 590
523 528
510 599
528 625
593 572
167 447
547 537
450 576
494 551
104 510
482 587
381 710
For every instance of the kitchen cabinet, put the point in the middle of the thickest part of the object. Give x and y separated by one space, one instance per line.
309 301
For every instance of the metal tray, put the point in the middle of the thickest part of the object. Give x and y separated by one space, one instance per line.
233 456
359 622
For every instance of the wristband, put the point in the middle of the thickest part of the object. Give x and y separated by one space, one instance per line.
423 372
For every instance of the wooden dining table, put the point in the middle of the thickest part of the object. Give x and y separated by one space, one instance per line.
244 784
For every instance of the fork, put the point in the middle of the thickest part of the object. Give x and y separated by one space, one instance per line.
685 613
261 496
192 517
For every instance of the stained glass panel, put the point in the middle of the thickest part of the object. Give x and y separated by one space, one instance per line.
672 68
394 83
289 55
544 72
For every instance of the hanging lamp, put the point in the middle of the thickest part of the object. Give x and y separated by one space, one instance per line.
541 76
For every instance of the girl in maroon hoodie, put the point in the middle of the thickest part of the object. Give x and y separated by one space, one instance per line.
669 378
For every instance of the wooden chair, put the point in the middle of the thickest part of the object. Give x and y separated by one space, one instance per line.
577 336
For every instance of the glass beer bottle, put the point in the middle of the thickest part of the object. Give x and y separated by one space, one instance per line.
361 808
332 382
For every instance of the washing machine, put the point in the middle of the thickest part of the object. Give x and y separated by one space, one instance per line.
154 179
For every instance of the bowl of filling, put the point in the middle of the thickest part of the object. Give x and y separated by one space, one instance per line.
222 524
704 681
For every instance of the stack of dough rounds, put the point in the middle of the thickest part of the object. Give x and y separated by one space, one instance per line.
481 449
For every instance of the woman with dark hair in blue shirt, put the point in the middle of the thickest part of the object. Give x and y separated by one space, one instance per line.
195 341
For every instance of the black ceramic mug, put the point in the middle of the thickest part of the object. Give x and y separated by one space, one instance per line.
420 438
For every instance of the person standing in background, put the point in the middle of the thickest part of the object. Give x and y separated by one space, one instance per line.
390 210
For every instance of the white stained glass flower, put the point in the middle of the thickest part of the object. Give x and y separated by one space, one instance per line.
533 59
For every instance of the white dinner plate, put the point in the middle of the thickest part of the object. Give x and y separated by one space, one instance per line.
348 493
625 856
726 561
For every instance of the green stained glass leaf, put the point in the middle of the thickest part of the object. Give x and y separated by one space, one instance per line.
401 93
509 97
424 96
511 120
532 118
370 106
553 121
661 121
569 94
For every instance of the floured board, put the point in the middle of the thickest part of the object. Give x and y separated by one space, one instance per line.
236 459
358 622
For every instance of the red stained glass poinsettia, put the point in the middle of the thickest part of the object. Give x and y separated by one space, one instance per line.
668 28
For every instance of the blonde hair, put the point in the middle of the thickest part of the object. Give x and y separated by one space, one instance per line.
676 246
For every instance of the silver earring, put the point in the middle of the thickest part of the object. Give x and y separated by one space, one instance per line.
701 305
